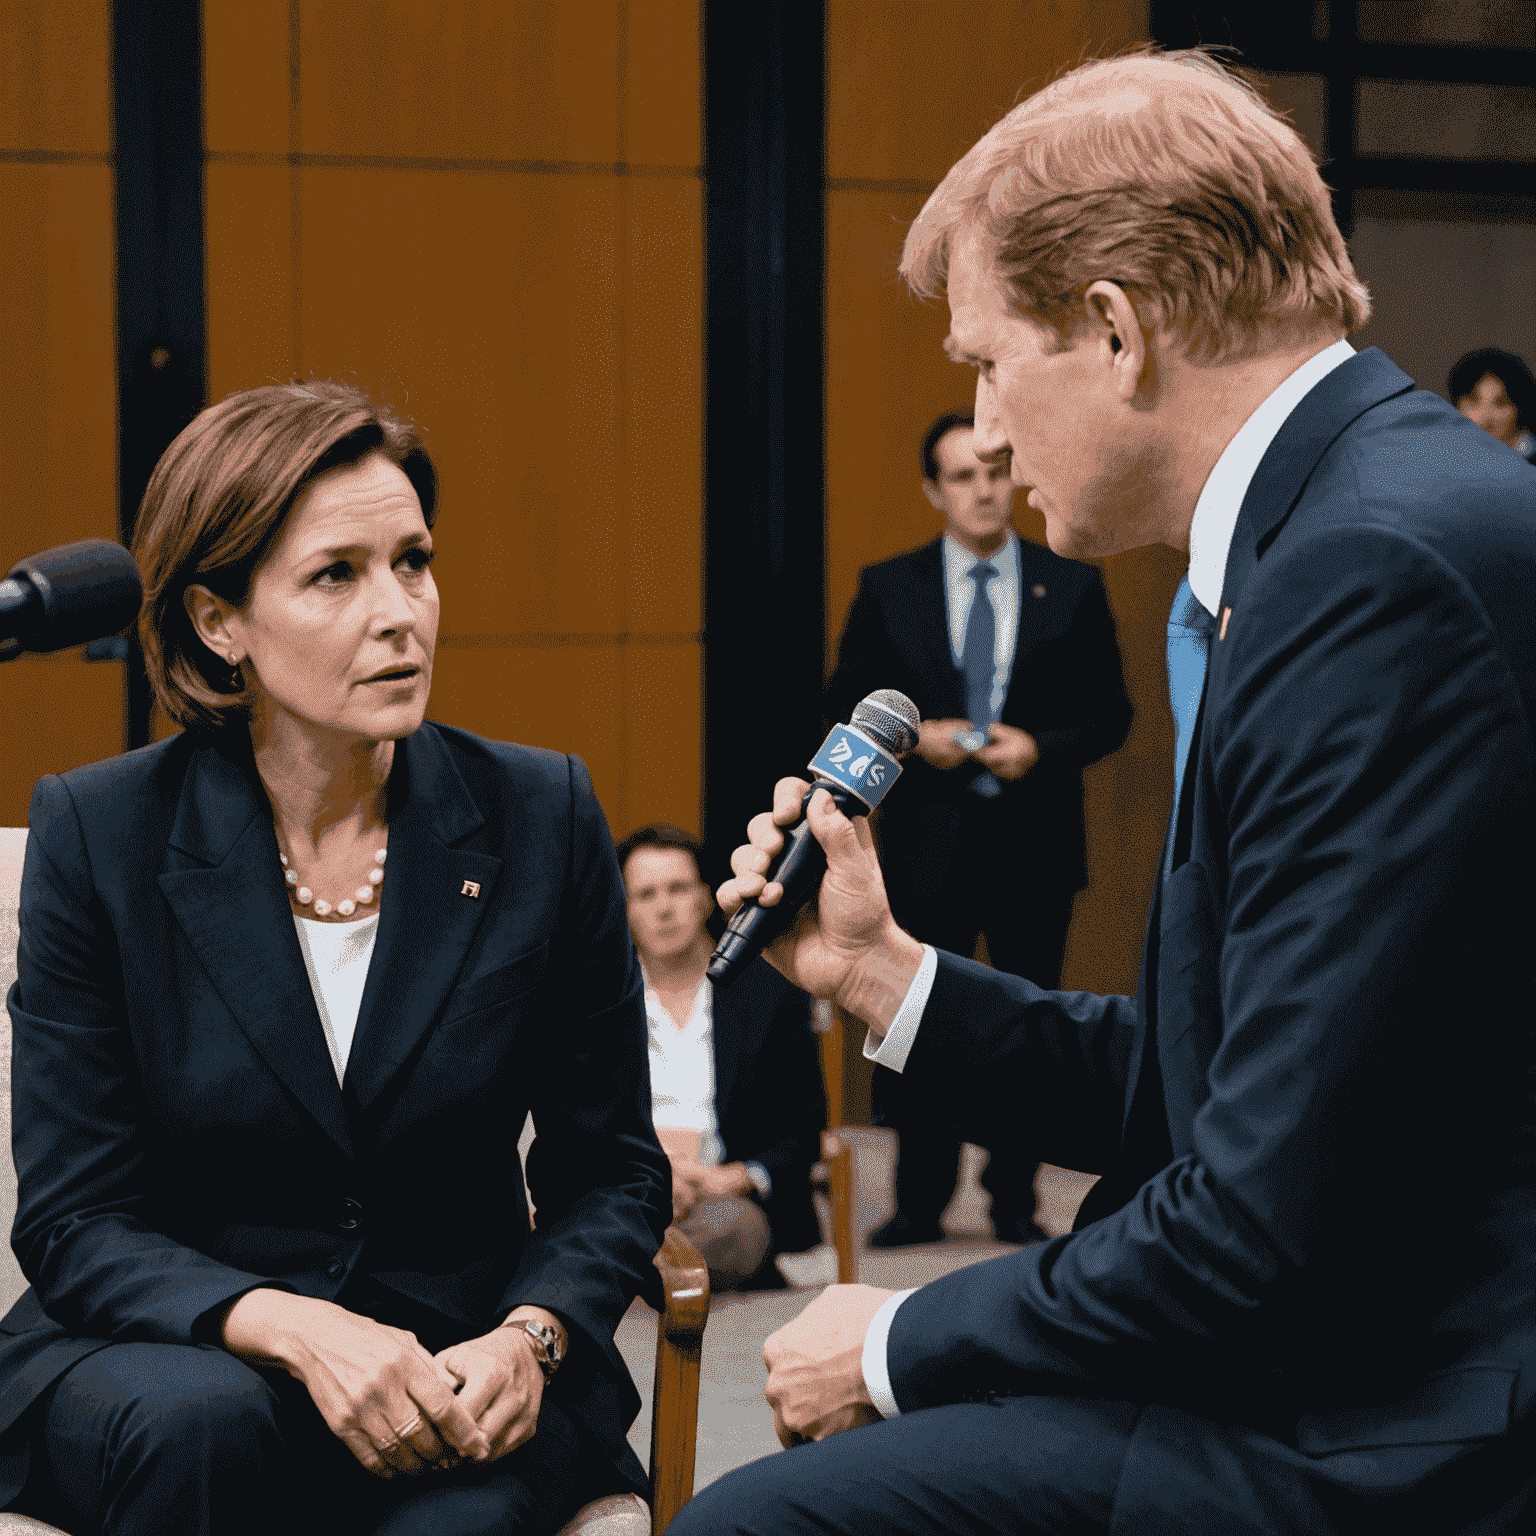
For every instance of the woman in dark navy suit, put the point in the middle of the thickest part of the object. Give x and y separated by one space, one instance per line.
288 984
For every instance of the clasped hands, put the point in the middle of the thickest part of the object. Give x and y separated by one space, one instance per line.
397 1407
694 1181
1009 753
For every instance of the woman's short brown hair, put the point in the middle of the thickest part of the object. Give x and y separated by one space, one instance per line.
215 508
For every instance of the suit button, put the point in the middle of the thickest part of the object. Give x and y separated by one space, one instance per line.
334 1269
351 1215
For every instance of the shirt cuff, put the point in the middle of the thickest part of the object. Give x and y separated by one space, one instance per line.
877 1376
893 1050
762 1181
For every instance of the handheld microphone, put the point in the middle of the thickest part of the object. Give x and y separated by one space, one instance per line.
66 596
857 766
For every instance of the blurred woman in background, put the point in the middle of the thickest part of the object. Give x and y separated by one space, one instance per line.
1496 390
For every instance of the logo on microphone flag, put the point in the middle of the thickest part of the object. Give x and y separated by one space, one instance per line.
849 758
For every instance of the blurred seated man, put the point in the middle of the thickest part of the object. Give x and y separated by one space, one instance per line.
1497 391
736 1088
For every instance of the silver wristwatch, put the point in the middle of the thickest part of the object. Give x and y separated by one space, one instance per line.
546 1344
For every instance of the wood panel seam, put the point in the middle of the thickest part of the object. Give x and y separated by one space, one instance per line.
56 157
546 639
878 184
307 161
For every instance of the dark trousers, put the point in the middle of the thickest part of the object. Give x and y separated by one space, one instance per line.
1019 1466
175 1440
987 887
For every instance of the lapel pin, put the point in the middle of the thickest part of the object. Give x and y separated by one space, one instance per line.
1039 590
470 888
1226 613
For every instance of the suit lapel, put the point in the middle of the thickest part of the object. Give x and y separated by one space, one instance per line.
234 911
930 631
429 916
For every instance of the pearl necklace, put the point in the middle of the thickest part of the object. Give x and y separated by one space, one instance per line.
303 895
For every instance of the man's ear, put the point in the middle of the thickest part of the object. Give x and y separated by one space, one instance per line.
211 616
1112 315
935 498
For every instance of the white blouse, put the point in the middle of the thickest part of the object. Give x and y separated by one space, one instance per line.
336 955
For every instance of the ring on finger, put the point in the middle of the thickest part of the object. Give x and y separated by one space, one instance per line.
407 1429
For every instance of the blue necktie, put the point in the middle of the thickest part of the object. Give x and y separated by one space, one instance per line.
1189 645
978 665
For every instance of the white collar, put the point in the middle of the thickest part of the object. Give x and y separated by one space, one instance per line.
1221 498
958 560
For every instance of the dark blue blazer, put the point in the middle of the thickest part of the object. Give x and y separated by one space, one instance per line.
1312 1251
1065 689
180 1135
770 1105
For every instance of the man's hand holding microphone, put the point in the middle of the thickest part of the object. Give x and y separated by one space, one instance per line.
843 944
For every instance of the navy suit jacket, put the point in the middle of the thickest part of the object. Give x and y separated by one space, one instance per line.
180 1135
769 1102
1065 689
1312 1251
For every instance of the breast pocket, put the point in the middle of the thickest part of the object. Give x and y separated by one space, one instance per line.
518 979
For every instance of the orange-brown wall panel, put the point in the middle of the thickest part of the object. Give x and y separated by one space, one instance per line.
63 711
486 306
663 121
58 452
912 84
58 389
525 81
568 697
887 378
249 245
663 685
664 406
55 92
245 60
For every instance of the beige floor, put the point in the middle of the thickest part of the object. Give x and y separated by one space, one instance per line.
735 1425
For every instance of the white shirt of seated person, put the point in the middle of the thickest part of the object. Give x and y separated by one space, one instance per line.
1210 538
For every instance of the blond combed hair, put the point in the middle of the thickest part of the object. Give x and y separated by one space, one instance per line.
1166 173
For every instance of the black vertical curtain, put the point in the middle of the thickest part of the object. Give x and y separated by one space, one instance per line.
157 79
763 485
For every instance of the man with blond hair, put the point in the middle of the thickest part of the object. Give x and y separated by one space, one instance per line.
1302 1295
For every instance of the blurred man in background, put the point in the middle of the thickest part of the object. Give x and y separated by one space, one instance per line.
1009 653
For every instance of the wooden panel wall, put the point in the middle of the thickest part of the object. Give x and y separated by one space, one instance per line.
911 85
58 381
491 216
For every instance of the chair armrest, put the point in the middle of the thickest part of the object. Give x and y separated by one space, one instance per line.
836 1175
675 1393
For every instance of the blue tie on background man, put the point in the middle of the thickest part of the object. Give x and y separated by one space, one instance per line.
978 664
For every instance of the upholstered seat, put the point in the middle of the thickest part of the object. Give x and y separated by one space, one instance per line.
679 1334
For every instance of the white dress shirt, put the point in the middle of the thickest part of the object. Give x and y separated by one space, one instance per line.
683 1077
1003 593
336 955
1210 540
683 1068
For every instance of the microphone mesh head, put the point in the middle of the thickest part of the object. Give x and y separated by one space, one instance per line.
889 718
